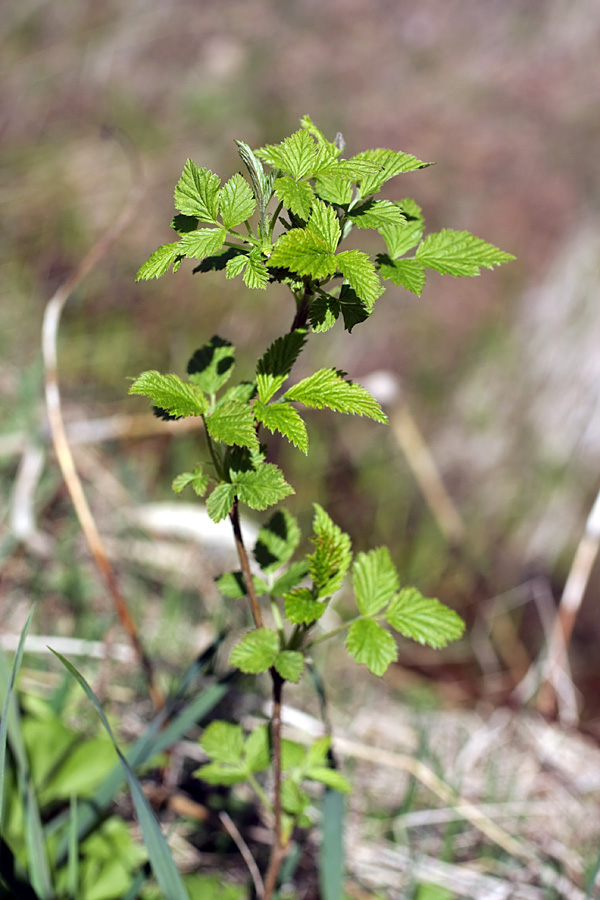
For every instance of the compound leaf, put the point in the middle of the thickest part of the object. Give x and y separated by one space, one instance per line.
233 423
262 487
158 263
390 163
295 573
377 214
331 778
402 238
298 196
256 652
360 272
212 364
283 418
198 244
257 750
237 202
198 480
374 579
369 643
219 504
236 265
328 388
290 665
223 742
275 365
197 193
334 189
296 155
179 398
256 274
332 555
304 252
276 541
324 222
406 273
301 608
222 773
459 253
354 311
423 619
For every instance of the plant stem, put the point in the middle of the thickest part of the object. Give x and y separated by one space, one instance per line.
301 317
234 516
279 848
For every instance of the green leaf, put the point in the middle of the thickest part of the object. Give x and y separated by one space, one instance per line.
212 364
390 163
360 272
298 196
374 579
257 750
334 189
354 311
223 742
323 313
402 238
256 274
293 800
219 504
262 184
301 608
459 253
377 214
233 585
324 222
276 541
296 572
329 389
256 652
332 555
262 487
236 265
423 619
158 263
369 643
290 665
293 755
304 252
406 273
236 201
197 193
244 392
169 392
318 751
233 423
198 480
201 243
331 778
283 418
222 773
275 365
219 261
296 155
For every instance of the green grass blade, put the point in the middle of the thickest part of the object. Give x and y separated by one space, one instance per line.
73 858
331 856
163 866
37 859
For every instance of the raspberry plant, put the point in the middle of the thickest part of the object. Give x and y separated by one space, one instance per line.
285 222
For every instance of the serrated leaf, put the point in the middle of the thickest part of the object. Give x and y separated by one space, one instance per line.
201 243
244 391
293 755
198 480
257 750
459 253
423 619
368 643
360 272
219 261
296 155
169 392
223 742
374 579
304 252
293 800
262 487
237 202
400 239
390 163
354 311
236 265
233 585
276 541
323 313
211 366
256 274
331 778
318 752
233 423
275 365
334 189
295 573
221 773
406 273
332 554
256 651
286 420
411 210
158 263
324 222
220 502
377 214
290 665
298 196
327 388
197 193
301 608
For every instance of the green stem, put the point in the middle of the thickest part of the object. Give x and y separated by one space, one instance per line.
213 453
259 792
274 220
278 621
338 630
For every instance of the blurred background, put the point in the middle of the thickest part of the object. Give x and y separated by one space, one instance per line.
499 374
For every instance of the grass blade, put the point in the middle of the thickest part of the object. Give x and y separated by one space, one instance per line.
73 858
331 856
164 868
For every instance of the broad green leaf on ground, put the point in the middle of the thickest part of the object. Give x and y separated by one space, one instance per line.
197 193
406 273
374 579
295 573
423 619
290 665
324 222
283 418
219 504
179 398
236 201
223 741
368 643
277 540
198 479
304 252
400 239
327 388
275 365
256 274
334 189
159 262
301 608
295 195
212 365
391 163
359 271
329 777
377 214
233 585
261 487
296 155
459 253
332 555
256 652
198 244
233 423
